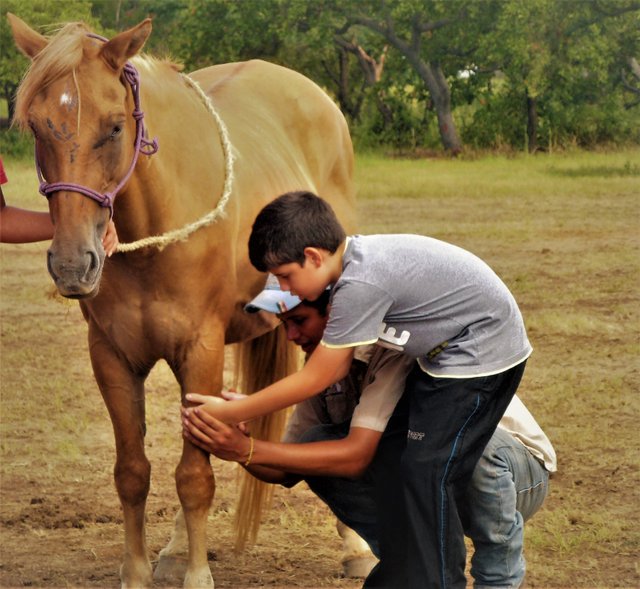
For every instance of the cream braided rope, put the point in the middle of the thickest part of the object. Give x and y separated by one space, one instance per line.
181 234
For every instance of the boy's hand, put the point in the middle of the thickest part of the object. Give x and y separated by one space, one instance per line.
206 402
227 442
214 406
232 395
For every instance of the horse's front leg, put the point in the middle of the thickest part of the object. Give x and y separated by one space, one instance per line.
200 372
123 394
196 486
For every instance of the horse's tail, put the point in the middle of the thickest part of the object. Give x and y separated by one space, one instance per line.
260 362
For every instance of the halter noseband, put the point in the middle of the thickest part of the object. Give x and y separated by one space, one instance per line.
142 145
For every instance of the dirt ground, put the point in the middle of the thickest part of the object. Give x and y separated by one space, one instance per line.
60 519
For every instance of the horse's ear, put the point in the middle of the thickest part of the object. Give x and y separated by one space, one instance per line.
27 40
118 50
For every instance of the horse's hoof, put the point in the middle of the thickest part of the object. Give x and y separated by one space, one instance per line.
200 579
170 569
135 576
359 567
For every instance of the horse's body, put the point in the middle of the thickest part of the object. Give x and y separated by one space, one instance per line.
185 302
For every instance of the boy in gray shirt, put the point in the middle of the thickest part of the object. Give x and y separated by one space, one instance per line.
433 301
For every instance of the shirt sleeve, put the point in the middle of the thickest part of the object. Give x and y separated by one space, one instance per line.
382 388
3 174
356 313
519 422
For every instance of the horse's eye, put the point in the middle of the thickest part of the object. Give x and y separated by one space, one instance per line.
116 131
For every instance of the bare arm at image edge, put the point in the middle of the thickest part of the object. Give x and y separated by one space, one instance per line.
23 226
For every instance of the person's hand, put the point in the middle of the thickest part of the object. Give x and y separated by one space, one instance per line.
227 442
110 240
215 406
232 395
206 402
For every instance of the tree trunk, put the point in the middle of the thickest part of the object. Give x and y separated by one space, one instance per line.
429 72
448 132
436 82
384 110
434 79
532 124
343 82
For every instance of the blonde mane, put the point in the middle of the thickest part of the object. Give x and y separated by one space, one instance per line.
60 57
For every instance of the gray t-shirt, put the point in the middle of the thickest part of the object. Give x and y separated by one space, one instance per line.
430 300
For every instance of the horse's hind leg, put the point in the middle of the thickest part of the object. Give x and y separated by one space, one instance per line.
123 395
357 558
172 559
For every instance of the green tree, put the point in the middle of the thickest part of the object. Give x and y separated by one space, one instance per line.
316 43
562 62
119 15
429 36
219 31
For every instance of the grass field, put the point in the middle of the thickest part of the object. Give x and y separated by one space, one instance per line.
562 230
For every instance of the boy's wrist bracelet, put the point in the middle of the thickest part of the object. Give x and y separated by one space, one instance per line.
251 446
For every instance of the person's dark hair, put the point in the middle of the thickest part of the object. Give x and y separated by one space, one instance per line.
321 304
288 225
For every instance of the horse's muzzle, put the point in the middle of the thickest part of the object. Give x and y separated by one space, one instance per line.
76 276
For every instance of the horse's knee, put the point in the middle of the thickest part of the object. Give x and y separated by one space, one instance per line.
195 484
132 480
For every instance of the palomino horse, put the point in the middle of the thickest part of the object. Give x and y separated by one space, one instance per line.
177 297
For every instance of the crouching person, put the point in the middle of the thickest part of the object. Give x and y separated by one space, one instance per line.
332 439
343 441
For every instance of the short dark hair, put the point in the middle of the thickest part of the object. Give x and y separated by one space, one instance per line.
289 224
321 304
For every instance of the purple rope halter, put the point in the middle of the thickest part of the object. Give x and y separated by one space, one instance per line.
142 145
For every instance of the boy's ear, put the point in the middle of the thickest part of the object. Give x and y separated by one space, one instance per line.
314 256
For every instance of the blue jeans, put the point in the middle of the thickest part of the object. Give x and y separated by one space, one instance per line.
507 487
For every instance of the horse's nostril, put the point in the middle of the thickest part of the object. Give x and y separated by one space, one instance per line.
50 264
94 262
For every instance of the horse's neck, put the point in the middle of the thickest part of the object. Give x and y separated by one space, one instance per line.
184 179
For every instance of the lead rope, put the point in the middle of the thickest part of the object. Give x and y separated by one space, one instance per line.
181 234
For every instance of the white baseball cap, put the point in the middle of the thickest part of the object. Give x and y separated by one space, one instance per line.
272 299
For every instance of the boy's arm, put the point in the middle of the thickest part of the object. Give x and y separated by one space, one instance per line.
348 457
323 368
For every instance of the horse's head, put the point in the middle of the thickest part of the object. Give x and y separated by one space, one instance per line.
76 102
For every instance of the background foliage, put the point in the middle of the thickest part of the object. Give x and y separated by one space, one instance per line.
410 75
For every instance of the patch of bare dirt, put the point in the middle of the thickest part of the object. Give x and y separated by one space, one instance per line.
60 519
